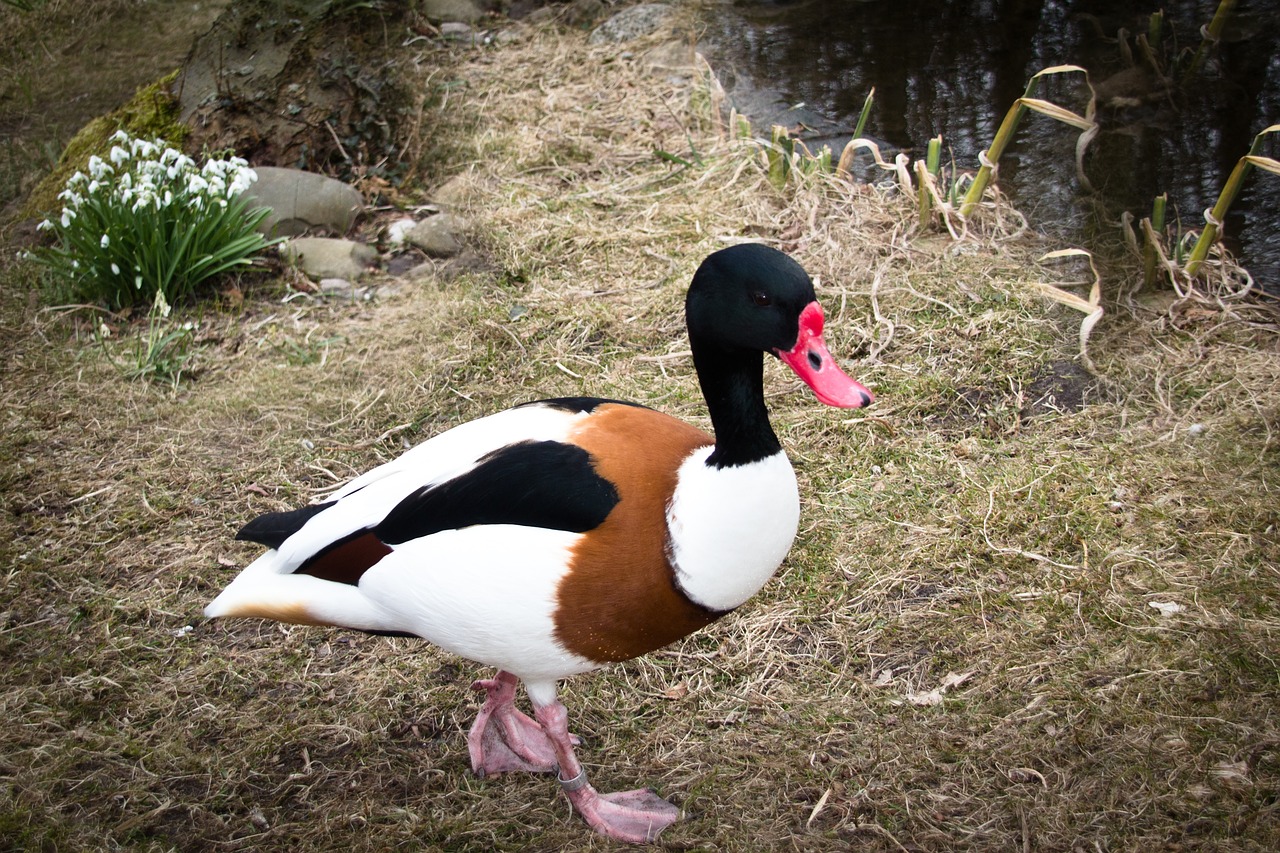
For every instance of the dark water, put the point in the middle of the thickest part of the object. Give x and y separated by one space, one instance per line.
954 68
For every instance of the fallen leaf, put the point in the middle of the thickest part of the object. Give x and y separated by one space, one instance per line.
933 697
1026 774
1166 608
676 691
822 803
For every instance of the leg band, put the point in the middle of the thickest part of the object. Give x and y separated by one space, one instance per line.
577 783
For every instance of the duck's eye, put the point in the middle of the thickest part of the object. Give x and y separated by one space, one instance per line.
761 299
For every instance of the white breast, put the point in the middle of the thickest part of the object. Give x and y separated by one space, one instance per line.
731 527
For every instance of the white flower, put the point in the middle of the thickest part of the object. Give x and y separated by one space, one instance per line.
106 241
44 225
115 268
118 155
241 181
67 216
162 304
137 282
104 331
120 136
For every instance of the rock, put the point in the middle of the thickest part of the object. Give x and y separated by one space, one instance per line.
453 192
324 257
463 11
439 235
581 14
337 287
460 33
398 231
631 23
300 200
673 57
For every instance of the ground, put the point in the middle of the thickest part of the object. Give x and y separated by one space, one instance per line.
1030 607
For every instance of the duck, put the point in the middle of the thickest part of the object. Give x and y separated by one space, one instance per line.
564 535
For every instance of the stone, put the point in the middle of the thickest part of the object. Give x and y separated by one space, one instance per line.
327 257
581 14
439 236
453 192
398 231
302 200
673 57
459 11
631 23
337 287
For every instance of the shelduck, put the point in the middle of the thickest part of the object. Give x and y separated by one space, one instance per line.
562 535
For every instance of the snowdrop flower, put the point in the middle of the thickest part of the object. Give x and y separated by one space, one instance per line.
67 216
242 181
115 268
118 155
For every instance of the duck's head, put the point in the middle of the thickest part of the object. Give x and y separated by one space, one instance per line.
752 298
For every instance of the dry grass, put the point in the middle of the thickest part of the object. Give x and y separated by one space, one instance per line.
961 653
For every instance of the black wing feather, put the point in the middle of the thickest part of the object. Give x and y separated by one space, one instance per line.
275 527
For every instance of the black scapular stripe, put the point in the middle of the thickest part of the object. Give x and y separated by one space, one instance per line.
579 404
532 483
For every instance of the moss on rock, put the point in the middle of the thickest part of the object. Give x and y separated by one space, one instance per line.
151 113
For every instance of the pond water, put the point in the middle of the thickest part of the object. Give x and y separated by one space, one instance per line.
955 68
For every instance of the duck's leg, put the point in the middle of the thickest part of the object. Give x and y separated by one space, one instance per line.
502 738
634 816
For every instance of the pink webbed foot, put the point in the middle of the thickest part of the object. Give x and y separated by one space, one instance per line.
502 738
636 816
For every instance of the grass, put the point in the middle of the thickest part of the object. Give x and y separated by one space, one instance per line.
959 654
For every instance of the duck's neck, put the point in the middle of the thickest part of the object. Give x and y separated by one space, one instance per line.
733 385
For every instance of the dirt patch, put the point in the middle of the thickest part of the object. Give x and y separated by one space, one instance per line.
1063 387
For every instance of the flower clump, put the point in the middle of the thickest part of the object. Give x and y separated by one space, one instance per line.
147 220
